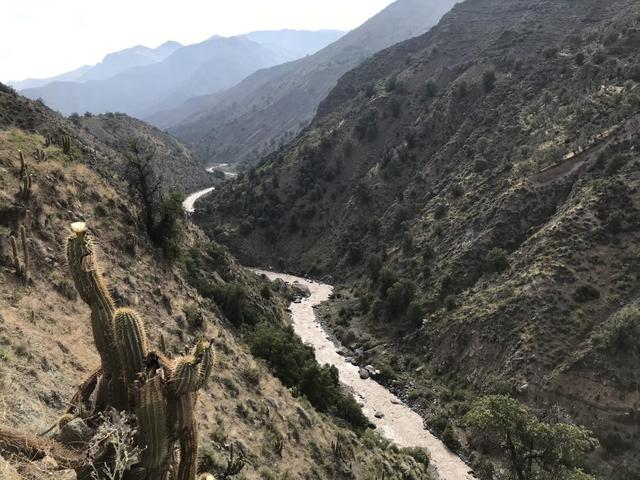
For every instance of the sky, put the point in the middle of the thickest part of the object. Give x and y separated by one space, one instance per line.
42 38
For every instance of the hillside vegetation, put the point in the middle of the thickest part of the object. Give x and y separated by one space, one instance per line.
475 192
250 424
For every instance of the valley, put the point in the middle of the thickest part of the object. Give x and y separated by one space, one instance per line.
400 246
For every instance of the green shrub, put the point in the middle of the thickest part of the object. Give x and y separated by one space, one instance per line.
450 303
294 363
450 439
396 107
399 296
232 299
586 293
496 260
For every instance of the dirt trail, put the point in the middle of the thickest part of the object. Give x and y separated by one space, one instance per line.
190 201
399 423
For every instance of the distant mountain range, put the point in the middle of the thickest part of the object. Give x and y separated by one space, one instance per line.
271 105
140 81
112 64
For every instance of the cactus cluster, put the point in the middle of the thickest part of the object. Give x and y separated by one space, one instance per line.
160 392
21 267
40 155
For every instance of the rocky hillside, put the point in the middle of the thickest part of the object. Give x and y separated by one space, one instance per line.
46 344
179 171
272 105
475 190
102 140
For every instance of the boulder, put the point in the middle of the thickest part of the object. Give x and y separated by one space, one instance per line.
300 289
75 431
364 373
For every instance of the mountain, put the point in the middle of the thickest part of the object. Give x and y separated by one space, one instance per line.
40 82
137 82
248 421
474 191
111 65
298 43
273 104
174 164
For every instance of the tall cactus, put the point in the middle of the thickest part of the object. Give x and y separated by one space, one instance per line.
25 190
162 392
22 268
66 144
87 277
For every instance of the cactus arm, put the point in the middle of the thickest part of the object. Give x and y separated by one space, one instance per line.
186 375
205 356
131 342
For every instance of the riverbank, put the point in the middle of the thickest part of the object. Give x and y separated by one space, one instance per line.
394 419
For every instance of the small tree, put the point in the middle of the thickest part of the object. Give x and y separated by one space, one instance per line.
532 449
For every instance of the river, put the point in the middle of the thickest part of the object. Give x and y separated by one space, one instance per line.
398 422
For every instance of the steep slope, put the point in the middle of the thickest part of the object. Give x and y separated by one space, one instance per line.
46 345
272 105
476 191
174 163
178 170
298 42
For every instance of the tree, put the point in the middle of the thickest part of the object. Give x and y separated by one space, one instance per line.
162 217
532 449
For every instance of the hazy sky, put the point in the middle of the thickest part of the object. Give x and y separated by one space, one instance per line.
41 38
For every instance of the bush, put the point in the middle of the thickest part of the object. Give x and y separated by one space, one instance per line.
450 439
294 363
586 293
399 296
367 126
396 107
430 89
580 57
623 332
450 303
497 261
232 300
488 80
392 84
170 225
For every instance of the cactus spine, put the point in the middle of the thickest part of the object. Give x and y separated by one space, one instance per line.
22 268
131 342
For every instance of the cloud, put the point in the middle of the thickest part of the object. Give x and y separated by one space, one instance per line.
41 38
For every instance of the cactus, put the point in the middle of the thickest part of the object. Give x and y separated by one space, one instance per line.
47 141
188 453
87 278
204 354
22 268
66 144
152 417
40 155
161 391
25 192
131 342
